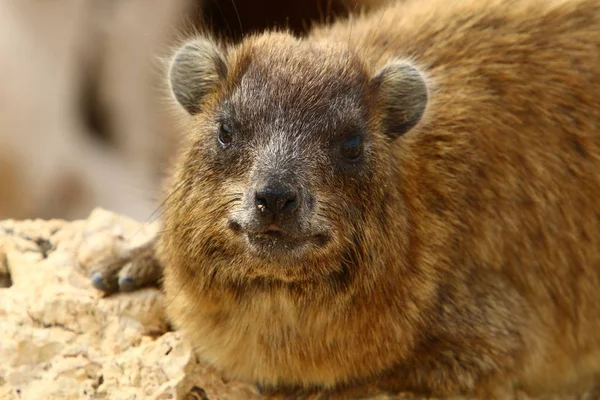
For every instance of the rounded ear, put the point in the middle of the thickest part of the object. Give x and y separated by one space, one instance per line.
194 71
402 97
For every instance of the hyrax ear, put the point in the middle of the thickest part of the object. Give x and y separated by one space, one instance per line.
401 95
196 68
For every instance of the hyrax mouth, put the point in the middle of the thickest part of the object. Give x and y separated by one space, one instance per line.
274 240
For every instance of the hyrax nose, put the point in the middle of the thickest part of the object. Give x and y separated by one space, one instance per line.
276 200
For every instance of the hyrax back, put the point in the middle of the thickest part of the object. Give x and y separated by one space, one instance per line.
406 200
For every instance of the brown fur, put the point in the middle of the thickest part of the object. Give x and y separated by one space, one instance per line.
464 255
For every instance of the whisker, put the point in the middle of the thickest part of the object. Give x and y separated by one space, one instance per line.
238 17
216 3
364 43
211 212
351 16
159 207
385 48
167 198
221 207
190 224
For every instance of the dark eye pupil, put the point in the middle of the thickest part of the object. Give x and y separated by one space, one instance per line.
225 135
352 148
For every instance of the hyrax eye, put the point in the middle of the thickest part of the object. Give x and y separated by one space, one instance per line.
352 148
225 136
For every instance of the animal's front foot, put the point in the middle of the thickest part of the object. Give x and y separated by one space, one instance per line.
129 271
118 254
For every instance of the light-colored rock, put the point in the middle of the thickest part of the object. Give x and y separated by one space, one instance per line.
62 339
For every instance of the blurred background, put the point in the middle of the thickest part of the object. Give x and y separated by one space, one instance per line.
83 120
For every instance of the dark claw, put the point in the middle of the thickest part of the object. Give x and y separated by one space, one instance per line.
98 281
127 284
101 284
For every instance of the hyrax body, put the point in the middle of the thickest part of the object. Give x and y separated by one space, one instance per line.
407 199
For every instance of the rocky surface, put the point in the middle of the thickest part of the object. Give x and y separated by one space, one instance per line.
62 339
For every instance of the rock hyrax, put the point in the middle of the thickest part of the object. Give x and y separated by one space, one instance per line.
408 199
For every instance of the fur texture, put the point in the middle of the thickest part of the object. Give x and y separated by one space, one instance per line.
463 255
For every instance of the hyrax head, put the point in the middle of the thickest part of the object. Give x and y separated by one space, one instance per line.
290 147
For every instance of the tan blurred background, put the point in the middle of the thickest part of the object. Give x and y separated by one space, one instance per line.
82 116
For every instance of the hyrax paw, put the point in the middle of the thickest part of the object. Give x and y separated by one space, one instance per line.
118 254
127 271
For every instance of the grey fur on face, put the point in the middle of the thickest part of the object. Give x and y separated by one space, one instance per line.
288 114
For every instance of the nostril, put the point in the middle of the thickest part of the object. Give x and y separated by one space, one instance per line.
290 204
261 203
